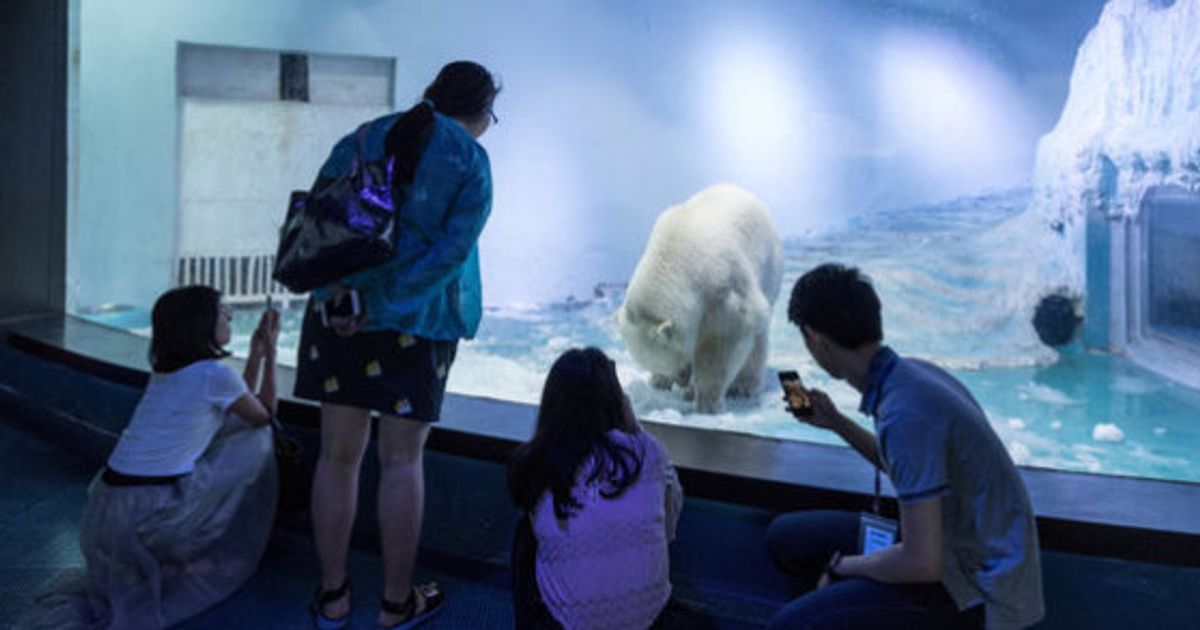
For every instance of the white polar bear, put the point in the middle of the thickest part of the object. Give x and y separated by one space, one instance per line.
698 308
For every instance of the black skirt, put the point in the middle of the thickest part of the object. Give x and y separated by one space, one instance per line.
389 372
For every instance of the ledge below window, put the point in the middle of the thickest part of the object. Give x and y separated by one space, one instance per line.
1129 518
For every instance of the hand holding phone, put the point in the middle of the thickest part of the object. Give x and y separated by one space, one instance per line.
343 312
797 398
266 335
271 315
343 305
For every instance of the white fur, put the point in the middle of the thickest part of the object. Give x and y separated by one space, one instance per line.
698 308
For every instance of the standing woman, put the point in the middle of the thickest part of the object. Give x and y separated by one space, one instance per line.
394 357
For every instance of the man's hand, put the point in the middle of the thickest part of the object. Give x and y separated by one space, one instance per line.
830 572
825 580
824 414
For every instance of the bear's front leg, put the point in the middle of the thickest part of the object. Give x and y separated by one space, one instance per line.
711 378
684 378
717 360
748 381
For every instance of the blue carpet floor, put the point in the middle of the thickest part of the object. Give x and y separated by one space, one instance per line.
43 490
42 494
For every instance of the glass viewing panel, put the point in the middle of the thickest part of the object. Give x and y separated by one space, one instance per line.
1174 269
900 137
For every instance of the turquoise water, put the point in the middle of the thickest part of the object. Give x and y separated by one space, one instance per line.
949 277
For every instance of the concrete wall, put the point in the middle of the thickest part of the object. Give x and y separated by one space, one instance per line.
33 165
244 148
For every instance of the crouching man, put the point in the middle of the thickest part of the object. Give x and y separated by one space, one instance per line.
966 553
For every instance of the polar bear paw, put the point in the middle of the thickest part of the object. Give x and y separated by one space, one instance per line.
659 381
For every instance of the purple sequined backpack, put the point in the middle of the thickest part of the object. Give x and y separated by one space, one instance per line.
347 225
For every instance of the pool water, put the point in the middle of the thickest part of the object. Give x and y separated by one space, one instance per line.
951 280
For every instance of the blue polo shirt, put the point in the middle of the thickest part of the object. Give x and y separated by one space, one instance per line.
431 288
935 441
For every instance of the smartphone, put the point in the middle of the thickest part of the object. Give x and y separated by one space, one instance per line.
346 305
793 390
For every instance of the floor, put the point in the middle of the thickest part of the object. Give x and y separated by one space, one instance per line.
42 494
43 479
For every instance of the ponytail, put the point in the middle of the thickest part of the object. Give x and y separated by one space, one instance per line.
462 89
406 141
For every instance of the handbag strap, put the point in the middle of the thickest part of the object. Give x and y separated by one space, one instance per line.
363 166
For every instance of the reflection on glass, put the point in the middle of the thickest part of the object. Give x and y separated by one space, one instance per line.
1174 253
948 149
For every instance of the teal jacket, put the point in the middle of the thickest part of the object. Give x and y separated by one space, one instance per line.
431 288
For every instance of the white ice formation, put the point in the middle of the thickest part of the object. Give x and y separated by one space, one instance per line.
1107 432
1131 121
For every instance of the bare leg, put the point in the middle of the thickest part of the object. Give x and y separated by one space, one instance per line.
345 432
401 504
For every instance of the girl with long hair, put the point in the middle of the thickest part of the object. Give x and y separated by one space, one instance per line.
600 501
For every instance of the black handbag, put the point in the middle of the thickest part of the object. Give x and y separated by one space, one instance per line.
346 225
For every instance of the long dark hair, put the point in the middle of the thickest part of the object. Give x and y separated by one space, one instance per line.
581 402
185 328
463 89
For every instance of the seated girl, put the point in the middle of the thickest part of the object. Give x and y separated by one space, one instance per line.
179 517
600 500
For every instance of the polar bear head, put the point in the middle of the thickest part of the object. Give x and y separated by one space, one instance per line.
654 343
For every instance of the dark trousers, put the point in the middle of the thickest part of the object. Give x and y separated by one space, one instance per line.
801 544
528 608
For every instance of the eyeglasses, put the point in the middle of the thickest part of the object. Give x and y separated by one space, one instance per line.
495 119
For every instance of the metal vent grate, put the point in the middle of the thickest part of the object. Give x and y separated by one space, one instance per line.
238 278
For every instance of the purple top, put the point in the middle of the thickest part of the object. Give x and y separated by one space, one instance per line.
607 566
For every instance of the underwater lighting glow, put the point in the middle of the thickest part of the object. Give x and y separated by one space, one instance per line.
951 113
552 200
753 106
757 115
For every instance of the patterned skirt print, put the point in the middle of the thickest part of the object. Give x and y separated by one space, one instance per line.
389 372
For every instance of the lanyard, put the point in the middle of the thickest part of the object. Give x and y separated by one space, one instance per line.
876 388
875 499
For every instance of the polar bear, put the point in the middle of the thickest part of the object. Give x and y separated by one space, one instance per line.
698 308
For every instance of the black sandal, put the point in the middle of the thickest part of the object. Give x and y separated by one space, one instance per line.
317 608
411 613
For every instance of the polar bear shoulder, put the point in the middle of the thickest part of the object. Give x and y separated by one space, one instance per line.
721 234
698 307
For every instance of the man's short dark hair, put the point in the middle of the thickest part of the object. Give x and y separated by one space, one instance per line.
840 303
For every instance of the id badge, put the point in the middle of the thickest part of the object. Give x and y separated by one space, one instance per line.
875 532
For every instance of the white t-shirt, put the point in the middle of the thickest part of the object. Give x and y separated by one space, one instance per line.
176 419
